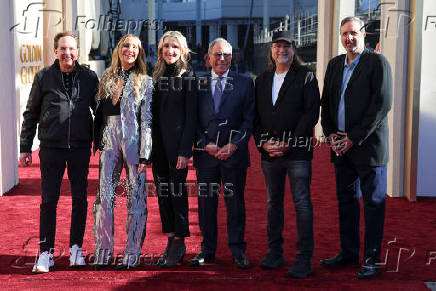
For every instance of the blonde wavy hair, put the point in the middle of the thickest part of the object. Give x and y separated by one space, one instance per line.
185 54
109 80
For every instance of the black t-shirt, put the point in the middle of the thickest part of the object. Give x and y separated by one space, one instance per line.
67 79
108 108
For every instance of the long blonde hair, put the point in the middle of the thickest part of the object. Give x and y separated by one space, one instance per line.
185 54
109 79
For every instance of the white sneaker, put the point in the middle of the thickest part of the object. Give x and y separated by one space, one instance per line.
45 261
76 257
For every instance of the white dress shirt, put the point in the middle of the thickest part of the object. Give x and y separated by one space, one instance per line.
215 78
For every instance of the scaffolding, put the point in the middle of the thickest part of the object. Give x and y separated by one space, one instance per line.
303 25
113 14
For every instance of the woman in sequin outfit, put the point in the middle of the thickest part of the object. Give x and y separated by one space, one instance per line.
123 136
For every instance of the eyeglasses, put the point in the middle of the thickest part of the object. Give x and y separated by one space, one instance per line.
278 46
65 49
219 55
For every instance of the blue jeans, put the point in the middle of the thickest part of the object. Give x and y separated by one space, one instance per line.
299 174
352 182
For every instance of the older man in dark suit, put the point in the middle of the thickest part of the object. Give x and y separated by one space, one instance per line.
356 99
225 120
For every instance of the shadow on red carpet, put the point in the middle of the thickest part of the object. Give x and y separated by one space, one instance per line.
409 245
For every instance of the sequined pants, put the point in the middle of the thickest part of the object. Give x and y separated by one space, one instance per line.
112 159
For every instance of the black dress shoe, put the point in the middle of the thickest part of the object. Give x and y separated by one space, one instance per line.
368 270
202 258
339 261
241 261
176 253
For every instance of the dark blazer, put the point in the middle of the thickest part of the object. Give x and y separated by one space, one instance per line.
233 123
368 99
292 117
174 116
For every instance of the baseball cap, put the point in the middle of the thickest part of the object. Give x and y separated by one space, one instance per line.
282 35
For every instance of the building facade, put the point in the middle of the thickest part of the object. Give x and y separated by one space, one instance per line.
406 31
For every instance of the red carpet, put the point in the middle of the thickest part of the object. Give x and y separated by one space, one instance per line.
409 241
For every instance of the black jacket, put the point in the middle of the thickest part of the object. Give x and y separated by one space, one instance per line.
174 116
232 123
292 118
64 122
368 99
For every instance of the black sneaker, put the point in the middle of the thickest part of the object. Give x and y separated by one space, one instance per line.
272 261
300 269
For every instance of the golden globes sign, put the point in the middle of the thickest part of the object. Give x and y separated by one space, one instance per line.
27 32
30 59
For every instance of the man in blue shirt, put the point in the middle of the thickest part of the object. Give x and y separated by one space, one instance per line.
356 99
348 71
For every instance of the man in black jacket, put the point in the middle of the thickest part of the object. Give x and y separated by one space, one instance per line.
59 101
356 99
287 109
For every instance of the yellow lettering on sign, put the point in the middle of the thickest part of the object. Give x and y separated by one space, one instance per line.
27 73
30 53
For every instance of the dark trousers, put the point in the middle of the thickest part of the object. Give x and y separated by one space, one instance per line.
209 187
352 182
299 174
172 195
52 164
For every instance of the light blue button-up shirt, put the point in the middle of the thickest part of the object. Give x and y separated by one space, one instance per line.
215 78
348 72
